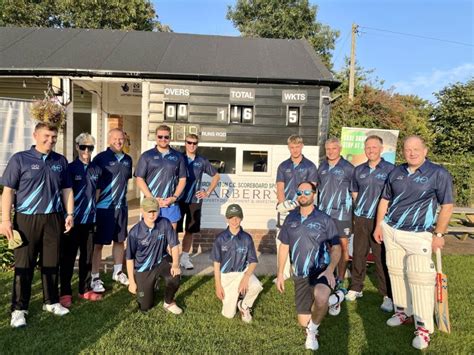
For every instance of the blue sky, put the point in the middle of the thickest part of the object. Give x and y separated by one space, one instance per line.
409 65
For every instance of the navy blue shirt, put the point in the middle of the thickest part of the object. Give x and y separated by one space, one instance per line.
38 180
161 172
116 171
309 239
414 198
335 189
292 175
369 183
148 246
85 178
234 252
195 169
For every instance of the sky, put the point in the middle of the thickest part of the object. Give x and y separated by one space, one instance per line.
408 64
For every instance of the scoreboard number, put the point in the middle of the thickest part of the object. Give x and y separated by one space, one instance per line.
241 114
176 112
293 116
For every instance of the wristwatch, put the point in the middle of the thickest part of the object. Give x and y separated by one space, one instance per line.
70 214
438 234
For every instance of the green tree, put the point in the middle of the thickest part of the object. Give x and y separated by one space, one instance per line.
453 119
291 19
110 14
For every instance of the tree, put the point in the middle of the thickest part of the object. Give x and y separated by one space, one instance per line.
453 119
110 14
291 19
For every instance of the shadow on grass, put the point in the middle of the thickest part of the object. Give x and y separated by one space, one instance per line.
190 285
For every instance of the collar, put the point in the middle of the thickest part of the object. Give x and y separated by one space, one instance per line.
38 154
379 165
423 168
229 233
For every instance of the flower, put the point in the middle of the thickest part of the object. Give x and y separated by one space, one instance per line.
49 111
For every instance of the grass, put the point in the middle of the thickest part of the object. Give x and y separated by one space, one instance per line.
116 326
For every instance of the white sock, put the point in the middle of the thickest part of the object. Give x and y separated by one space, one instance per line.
117 268
312 327
185 255
95 275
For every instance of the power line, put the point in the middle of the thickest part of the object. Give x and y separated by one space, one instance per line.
419 36
342 47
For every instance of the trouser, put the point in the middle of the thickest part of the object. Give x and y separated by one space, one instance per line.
287 269
230 283
41 236
363 241
81 237
146 281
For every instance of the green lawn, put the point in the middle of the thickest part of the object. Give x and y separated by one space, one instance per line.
115 326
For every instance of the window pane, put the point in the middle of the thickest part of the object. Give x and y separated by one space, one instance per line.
255 160
223 159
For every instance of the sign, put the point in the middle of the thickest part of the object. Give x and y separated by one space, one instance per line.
241 95
294 96
174 92
16 129
130 89
353 139
213 134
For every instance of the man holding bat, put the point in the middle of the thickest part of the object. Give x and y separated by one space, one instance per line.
407 224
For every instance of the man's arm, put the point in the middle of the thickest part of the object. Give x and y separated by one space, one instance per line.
217 278
283 252
442 225
244 283
7 202
381 212
212 186
175 270
132 286
68 202
141 184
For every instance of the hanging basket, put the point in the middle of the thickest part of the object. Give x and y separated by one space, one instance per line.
49 111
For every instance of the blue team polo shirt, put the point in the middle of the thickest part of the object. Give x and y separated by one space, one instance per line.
85 178
38 180
234 252
309 239
369 183
335 189
161 172
147 247
195 169
116 171
413 198
292 175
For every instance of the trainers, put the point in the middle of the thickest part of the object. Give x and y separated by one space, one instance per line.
172 308
66 301
335 309
120 277
244 312
97 285
387 305
18 319
353 295
399 318
311 342
421 339
56 309
186 263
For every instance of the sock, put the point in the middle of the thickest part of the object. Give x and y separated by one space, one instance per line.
117 268
95 275
312 327
185 255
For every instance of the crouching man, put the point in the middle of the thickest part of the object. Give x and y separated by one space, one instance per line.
149 242
308 233
235 260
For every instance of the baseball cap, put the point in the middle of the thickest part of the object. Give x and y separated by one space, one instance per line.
234 210
16 241
150 204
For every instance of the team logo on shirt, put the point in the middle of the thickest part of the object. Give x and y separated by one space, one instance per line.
77 177
225 248
160 236
35 167
338 172
242 250
421 179
400 177
293 224
172 157
145 242
302 170
288 171
126 163
112 163
94 177
324 172
363 176
314 225
56 168
381 176
197 165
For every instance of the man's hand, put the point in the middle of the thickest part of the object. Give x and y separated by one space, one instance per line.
162 202
7 229
286 206
280 283
175 270
329 276
201 194
244 285
437 243
68 224
378 234
220 292
132 287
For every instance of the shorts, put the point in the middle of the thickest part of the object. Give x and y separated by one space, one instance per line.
191 212
344 228
304 291
111 225
172 213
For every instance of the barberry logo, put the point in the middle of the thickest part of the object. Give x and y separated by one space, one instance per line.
421 179
56 168
35 167
172 157
314 225
381 176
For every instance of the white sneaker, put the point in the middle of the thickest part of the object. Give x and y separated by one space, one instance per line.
311 342
335 309
244 312
399 318
172 308
120 277
387 305
185 262
56 309
97 285
353 295
18 319
421 339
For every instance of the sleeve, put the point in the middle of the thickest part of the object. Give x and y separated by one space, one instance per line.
280 174
252 252
12 173
387 193
141 168
131 245
332 234
182 171
171 235
130 175
209 169
318 176
350 173
66 176
216 251
354 184
313 174
283 235
444 187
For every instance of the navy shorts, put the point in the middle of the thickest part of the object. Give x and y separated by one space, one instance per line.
304 291
191 214
344 228
172 213
111 225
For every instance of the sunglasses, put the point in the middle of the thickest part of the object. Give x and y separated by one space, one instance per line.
163 137
90 148
191 143
304 192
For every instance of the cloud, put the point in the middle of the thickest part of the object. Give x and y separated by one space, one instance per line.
424 85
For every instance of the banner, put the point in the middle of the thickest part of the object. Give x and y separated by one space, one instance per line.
16 129
353 139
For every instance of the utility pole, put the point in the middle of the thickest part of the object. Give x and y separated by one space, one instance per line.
352 64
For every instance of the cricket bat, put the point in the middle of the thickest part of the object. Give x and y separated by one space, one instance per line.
441 297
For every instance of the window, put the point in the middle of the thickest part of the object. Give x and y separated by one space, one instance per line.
241 114
222 158
176 112
255 161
